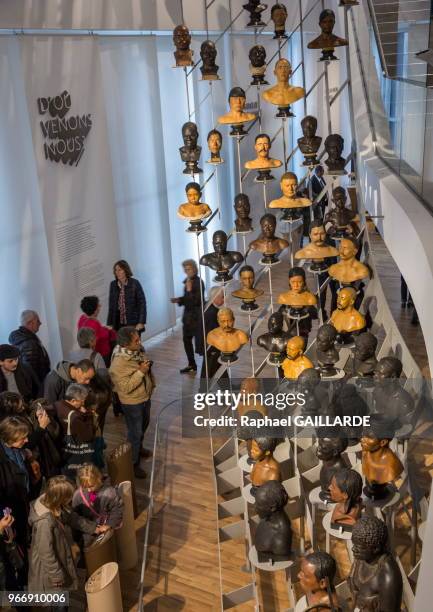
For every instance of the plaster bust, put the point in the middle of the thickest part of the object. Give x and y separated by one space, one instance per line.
226 338
282 94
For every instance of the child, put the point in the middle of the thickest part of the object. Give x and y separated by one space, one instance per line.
96 500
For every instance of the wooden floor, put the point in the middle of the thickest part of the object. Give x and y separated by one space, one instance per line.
183 570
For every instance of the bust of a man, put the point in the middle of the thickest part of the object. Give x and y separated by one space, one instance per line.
327 41
255 9
375 580
268 243
282 94
295 361
340 218
191 151
316 578
334 146
346 319
275 340
317 250
308 384
389 397
208 53
250 388
348 269
309 143
182 40
226 338
247 293
327 354
261 451
365 354
221 260
194 210
262 146
242 208
279 17
298 295
214 143
236 115
290 198
346 491
380 465
273 538
257 57
329 451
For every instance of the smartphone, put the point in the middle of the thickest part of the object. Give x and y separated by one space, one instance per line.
7 511
40 410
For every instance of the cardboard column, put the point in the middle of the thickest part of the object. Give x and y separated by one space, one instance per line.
121 469
102 551
103 590
126 539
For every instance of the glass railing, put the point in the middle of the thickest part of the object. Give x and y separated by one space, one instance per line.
401 106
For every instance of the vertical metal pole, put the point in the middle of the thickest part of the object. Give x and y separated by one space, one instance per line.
319 303
349 88
328 104
187 92
264 195
270 289
181 12
202 313
238 148
301 31
259 108
284 143
251 345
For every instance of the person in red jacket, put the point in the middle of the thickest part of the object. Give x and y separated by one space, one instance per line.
105 337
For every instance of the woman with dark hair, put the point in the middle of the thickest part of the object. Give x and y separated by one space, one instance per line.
126 302
105 337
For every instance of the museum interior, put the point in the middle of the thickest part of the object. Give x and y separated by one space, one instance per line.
215 388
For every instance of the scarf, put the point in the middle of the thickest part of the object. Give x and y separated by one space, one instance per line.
135 355
122 303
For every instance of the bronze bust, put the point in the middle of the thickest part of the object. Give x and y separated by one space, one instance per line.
242 208
279 17
221 260
208 53
257 57
334 146
255 9
191 151
275 340
182 40
327 41
309 143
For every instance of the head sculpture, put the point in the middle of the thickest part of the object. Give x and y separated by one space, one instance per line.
242 205
261 446
309 126
214 141
369 538
270 497
275 323
219 241
268 224
388 368
257 56
190 134
181 37
365 346
318 571
346 487
327 21
326 337
208 52
334 145
330 446
279 15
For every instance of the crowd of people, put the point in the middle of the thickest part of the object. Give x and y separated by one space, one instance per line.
55 496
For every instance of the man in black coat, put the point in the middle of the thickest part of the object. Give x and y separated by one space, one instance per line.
192 318
15 376
214 303
32 351
317 185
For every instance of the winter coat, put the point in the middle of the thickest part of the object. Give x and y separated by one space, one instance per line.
45 444
32 351
93 356
104 336
82 423
26 381
135 304
51 559
57 381
14 495
191 301
131 385
107 509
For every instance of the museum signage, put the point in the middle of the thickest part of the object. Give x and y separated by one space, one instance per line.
64 134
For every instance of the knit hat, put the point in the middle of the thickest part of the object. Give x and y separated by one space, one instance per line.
7 351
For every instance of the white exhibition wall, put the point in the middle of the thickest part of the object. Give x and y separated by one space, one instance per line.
67 223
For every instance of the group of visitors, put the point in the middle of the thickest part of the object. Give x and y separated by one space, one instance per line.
55 497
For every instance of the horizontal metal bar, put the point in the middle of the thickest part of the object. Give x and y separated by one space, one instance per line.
332 100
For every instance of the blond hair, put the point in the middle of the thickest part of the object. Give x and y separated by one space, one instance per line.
89 477
58 493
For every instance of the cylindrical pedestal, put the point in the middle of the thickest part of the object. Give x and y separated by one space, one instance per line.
103 590
126 539
102 551
121 469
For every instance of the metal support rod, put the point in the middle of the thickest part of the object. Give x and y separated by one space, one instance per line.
238 150
349 89
264 195
284 144
251 345
301 31
187 92
270 289
340 90
202 313
328 105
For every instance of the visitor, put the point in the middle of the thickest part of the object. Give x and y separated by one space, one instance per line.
104 337
214 303
126 302
14 375
65 373
318 183
192 315
32 351
86 338
133 381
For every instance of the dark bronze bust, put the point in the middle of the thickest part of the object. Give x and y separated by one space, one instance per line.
255 9
327 41
269 244
309 144
389 397
208 53
279 17
242 208
221 260
308 384
182 40
275 341
334 145
365 355
329 451
191 151
327 354
340 218
257 57
273 538
375 579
